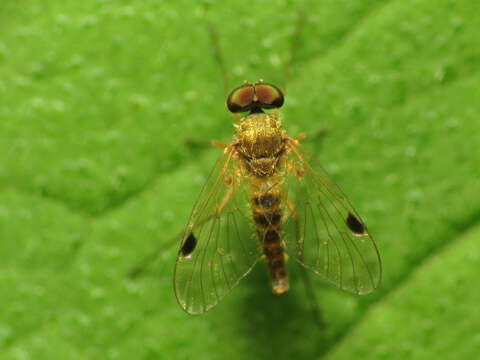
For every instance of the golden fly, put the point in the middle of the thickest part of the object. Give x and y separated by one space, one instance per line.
265 200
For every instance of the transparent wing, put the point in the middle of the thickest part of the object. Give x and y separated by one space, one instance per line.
331 238
219 246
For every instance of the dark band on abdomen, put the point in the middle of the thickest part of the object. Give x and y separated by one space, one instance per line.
267 215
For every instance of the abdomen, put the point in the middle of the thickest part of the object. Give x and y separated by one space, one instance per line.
267 215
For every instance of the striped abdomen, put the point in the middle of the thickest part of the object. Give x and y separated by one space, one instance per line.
267 214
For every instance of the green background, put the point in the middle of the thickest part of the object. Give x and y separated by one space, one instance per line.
98 103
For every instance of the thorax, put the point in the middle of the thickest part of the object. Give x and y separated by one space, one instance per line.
260 139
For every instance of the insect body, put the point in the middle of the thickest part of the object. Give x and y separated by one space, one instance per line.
261 146
263 187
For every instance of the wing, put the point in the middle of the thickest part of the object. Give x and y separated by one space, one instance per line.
330 237
219 246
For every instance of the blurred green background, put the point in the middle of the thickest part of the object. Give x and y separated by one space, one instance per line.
97 98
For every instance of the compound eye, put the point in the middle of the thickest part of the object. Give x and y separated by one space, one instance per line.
241 98
269 96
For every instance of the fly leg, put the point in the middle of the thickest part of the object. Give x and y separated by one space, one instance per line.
197 144
316 313
316 136
218 144
143 264
224 201
192 142
294 45
218 54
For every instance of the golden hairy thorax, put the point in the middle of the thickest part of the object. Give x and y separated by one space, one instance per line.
260 139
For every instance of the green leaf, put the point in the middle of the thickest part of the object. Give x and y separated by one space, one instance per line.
101 105
432 314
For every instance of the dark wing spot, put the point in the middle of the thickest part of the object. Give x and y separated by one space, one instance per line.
189 245
354 224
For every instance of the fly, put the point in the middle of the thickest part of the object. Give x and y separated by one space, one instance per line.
263 187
